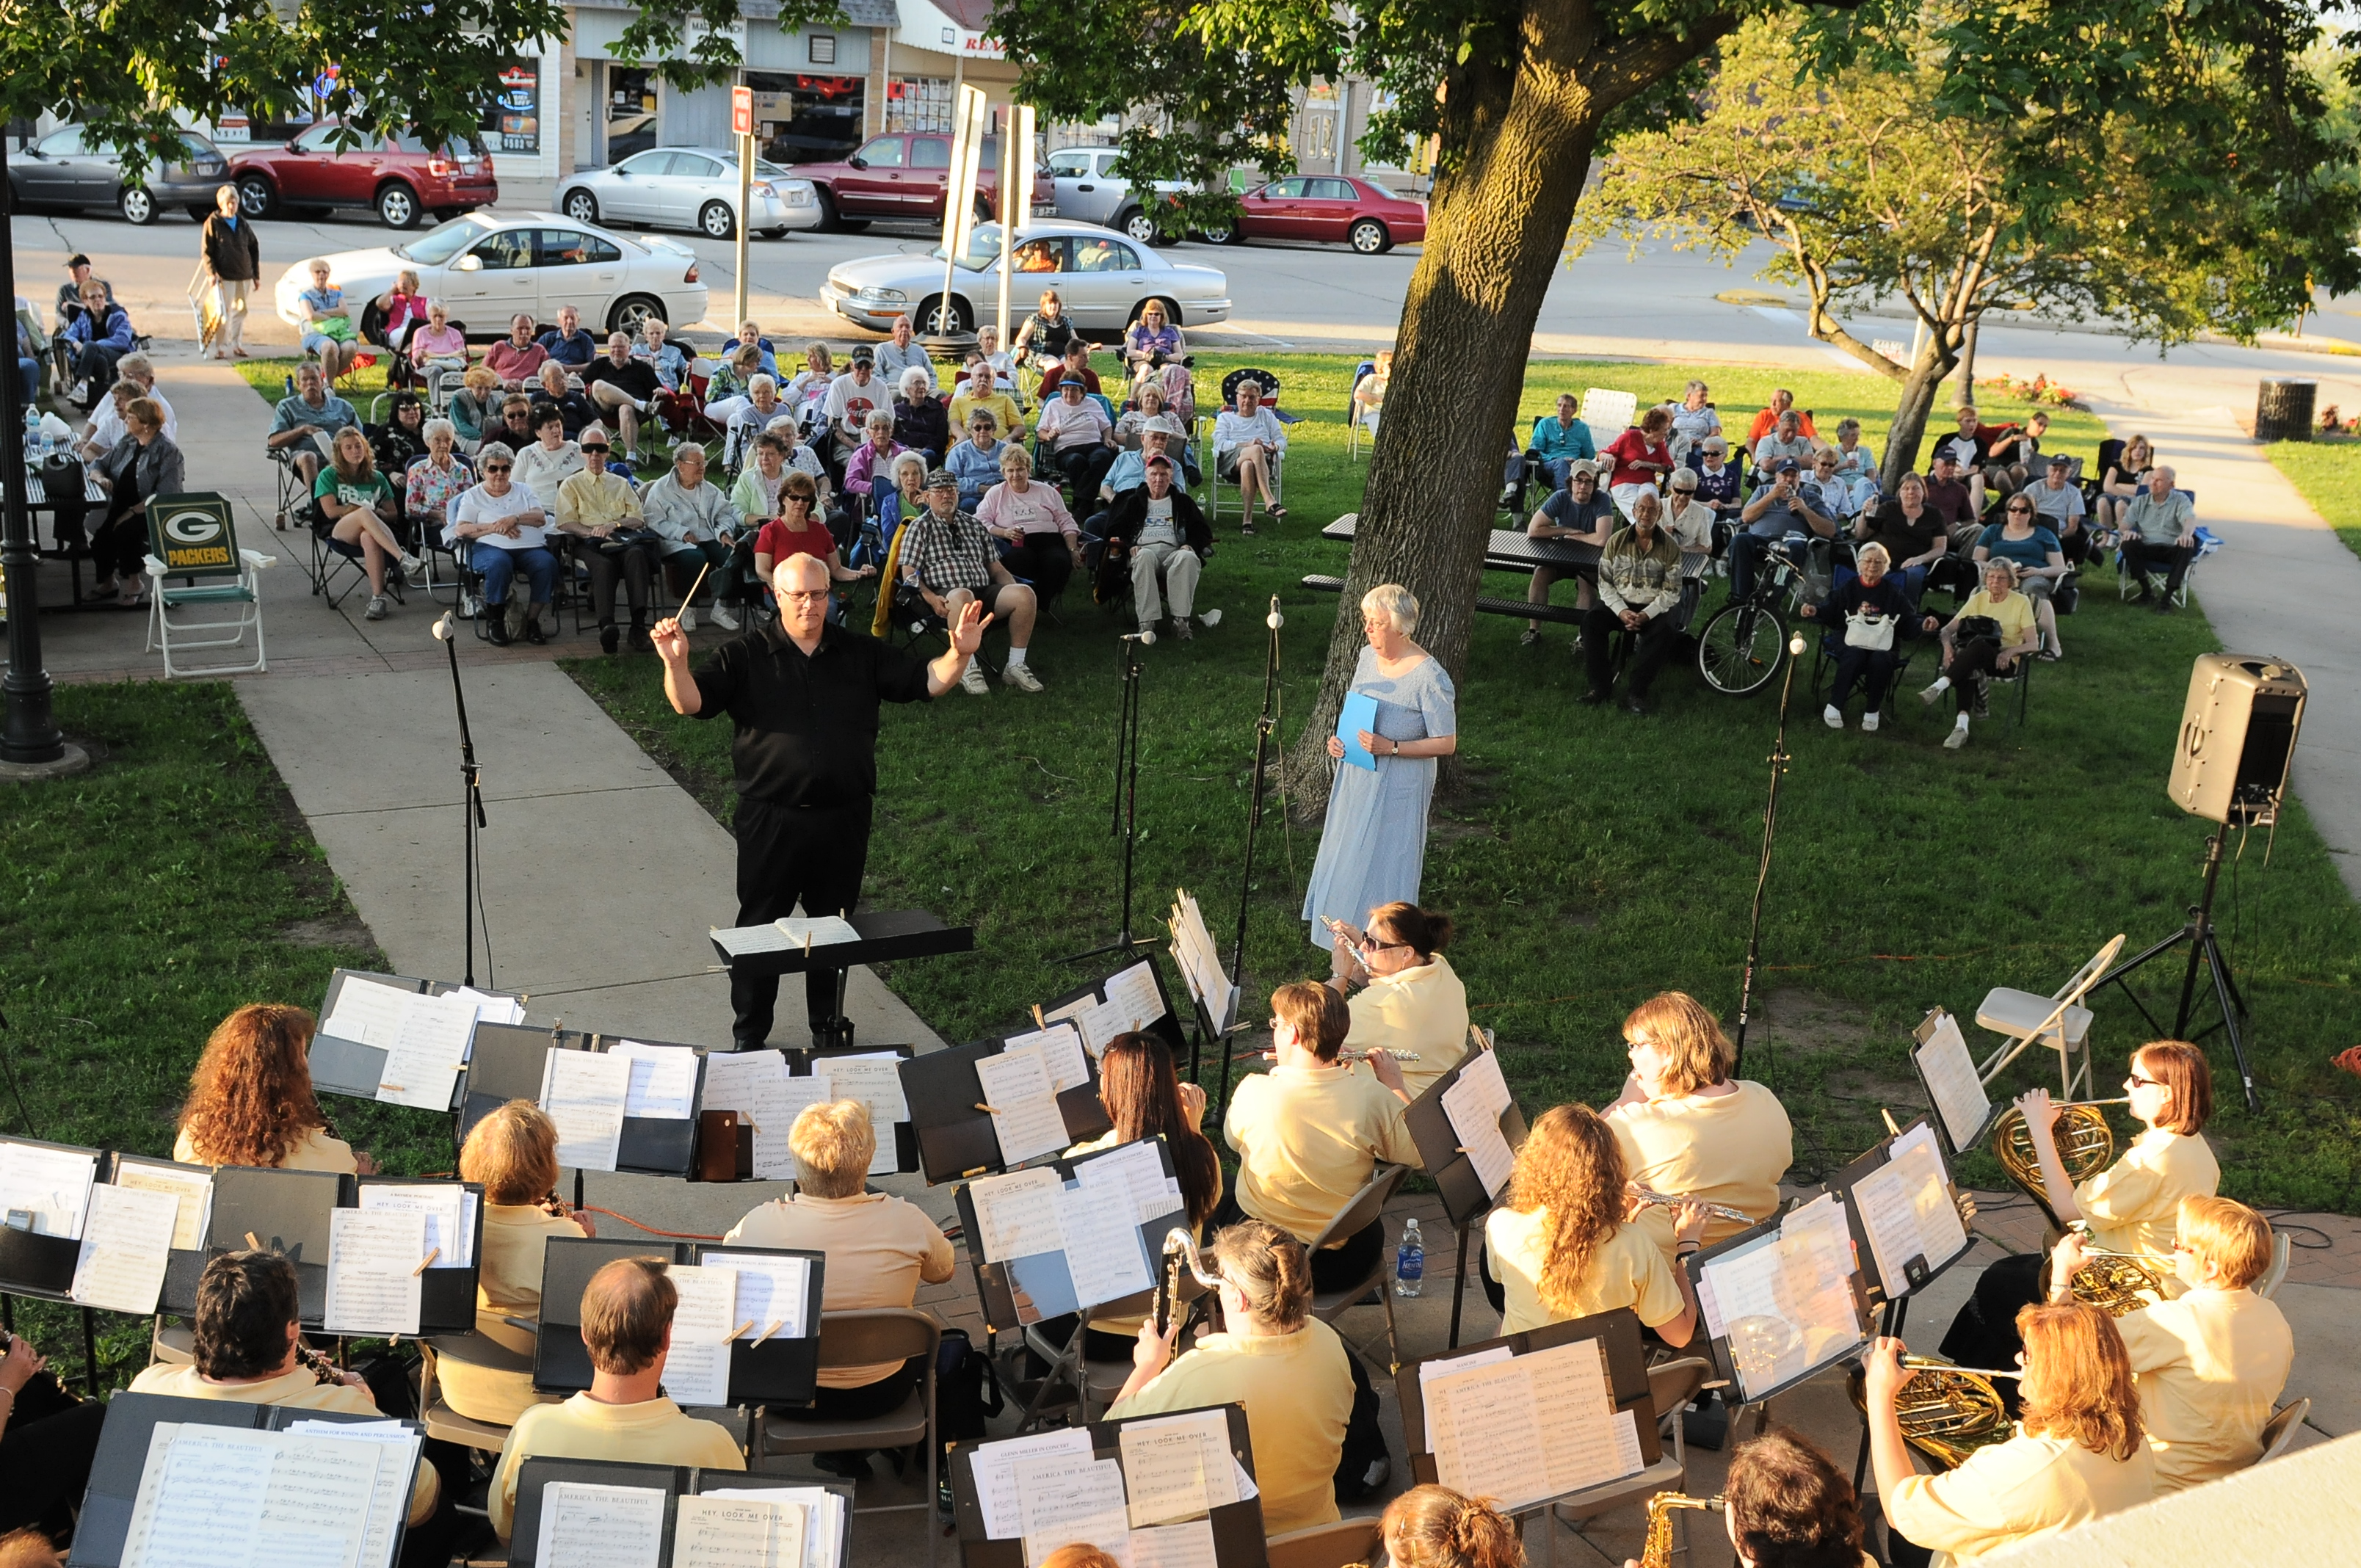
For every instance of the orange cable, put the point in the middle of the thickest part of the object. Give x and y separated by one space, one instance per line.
676 1236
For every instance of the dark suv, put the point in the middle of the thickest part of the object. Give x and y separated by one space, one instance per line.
399 175
903 174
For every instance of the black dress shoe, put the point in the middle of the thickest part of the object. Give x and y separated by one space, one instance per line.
609 638
496 624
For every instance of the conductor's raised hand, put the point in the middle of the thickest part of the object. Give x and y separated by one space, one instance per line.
671 642
967 632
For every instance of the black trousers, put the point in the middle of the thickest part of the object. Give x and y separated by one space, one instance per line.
1657 635
1086 468
1983 1334
609 559
119 545
1043 561
2145 555
1874 667
1974 663
788 855
45 1456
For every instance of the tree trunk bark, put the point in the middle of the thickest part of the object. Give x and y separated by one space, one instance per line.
1967 387
1919 393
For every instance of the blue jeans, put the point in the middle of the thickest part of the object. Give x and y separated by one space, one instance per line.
1743 550
28 379
500 567
1555 469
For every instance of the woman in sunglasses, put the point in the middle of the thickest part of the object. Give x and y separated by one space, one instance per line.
2025 537
503 530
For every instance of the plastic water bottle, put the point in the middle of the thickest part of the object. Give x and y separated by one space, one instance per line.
32 436
1409 1261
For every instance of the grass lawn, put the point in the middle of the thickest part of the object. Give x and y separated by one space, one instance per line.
2327 469
143 902
1595 859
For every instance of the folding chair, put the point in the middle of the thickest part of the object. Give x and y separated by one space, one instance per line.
2278 1432
1366 1208
866 1339
2207 544
2282 1254
293 493
1347 1542
193 538
1607 412
333 561
2059 1020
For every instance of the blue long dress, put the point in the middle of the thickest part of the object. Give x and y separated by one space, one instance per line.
1373 847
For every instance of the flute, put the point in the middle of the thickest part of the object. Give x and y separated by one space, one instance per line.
1649 1198
1270 1054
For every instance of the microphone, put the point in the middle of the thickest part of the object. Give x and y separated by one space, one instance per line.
442 626
1795 645
1147 638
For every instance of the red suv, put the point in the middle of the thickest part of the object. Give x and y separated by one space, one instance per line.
398 175
903 174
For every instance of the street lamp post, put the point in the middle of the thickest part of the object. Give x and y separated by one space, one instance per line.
31 734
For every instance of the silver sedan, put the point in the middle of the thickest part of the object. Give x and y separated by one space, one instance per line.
1103 276
690 188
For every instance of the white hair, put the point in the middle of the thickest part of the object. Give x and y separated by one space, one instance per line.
763 383
434 427
494 451
909 460
1396 603
879 419
916 375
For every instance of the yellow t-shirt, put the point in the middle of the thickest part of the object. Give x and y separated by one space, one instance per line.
508 1284
297 1390
653 1432
1724 1148
1001 406
318 1151
2019 1491
879 1248
1423 1010
1298 1393
2014 613
2134 1205
1627 1270
2209 1365
1307 1139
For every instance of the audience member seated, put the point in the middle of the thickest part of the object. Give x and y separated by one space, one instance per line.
304 424
1910 533
1782 403
1689 520
1694 418
1075 362
2159 533
1829 495
1993 629
627 1327
1041 341
1148 408
896 504
952 561
474 408
2060 502
1077 438
1640 457
515 427
1413 1002
1687 1127
976 460
2123 481
1578 513
806 392
1039 543
401 439
250 1100
880 1249
1786 444
567 344
879 447
920 422
1003 364
437 349
1559 441
750 335
1369 391
1717 481
622 386
551 460
555 391
1130 469
403 310
1291 1372
1778 510
1249 449
48 1442
698 529
727 389
1953 501
1856 467
1640 594
517 358
1874 612
800 529
104 427
602 510
503 528
2041 562
432 482
513 1153
1153 341
141 466
357 507
1993 456
1157 538
853 397
757 408
902 353
982 390
1560 1245
329 330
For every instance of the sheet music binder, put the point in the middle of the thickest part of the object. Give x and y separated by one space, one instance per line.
1047 1284
1238 1527
956 1139
1921 1038
776 1372
42 1266
1877 1289
886 935
507 1065
182 1267
447 1292
806 1062
350 1068
1166 1028
534 1476
1717 1346
122 1459
1452 1173
1627 1378
288 1213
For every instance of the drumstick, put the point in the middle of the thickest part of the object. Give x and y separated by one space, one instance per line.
689 598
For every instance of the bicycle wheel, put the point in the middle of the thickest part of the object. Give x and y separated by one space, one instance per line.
1741 648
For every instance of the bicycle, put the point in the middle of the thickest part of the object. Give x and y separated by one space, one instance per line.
1742 647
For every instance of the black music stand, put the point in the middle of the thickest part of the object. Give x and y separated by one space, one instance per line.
886 935
42 1266
775 1372
285 1211
507 1065
955 1136
675 1482
446 1294
1465 1201
1923 1041
811 1061
1165 1027
353 1069
1126 800
182 1266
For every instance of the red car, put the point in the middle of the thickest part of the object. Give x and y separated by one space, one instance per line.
1328 207
903 174
397 175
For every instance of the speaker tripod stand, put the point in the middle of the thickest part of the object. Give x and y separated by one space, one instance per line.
2204 947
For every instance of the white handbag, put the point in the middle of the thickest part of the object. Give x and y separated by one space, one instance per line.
1874 632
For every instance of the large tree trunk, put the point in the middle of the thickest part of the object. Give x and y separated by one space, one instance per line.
1919 393
1496 228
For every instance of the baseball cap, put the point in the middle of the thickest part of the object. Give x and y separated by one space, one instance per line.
76 259
942 479
2061 461
1160 461
864 354
1787 465
1162 426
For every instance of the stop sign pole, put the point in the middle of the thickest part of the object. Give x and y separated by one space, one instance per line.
742 121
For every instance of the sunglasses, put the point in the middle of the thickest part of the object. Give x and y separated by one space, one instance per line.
2136 1082
497 467
2020 511
601 451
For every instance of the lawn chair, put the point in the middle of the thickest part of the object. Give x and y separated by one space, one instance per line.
2059 1021
193 538
1608 413
2207 544
1270 384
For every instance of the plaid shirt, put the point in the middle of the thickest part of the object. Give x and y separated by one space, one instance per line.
944 554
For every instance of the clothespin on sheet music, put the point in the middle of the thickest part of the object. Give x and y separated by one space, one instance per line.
252 1242
1891 1130
806 945
774 1326
740 1328
987 1110
1036 1018
432 1253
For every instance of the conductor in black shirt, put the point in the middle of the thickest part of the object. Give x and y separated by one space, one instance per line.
804 696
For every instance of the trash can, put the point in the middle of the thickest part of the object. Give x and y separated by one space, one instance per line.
2283 409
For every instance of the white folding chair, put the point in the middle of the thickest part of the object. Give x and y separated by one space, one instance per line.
192 541
2059 1019
2282 1254
2278 1432
1607 412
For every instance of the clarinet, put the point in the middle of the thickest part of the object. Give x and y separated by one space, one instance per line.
323 1371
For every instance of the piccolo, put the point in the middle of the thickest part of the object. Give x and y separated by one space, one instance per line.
1649 1198
1935 1364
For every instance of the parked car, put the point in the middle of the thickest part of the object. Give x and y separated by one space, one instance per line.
62 170
399 176
1087 193
1359 212
689 187
488 266
1103 278
904 174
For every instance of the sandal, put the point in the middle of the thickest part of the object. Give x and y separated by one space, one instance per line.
1275 514
107 595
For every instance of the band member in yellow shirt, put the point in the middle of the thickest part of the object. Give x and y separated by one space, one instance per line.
1413 1001
250 1100
1688 1128
513 1152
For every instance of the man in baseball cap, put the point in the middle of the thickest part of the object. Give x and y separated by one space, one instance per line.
950 559
1780 508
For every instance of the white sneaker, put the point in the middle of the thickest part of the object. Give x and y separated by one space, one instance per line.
971 680
1957 738
375 610
1942 683
1021 677
722 617
687 617
1832 715
1869 722
414 568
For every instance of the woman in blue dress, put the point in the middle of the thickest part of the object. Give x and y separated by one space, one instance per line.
1373 847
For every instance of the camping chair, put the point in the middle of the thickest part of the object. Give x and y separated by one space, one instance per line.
2207 544
1357 417
193 538
1607 412
333 561
1366 1207
1270 384
2058 1020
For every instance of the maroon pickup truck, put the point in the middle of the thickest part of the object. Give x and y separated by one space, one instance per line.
903 174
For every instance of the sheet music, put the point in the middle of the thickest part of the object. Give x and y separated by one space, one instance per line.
369 1011
1485 1434
876 1082
192 1191
993 1466
1133 995
1025 1118
427 1052
1100 1022
1444 1366
1061 1049
584 1093
1785 1303
1187 1545
197 1502
697 1371
1131 1176
316 1511
823 1516
126 1237
698 1375
1949 1071
1472 1105
755 1084
1062 1499
45 1191
373 1281
770 1290
1019 1214
1176 1467
491 1008
1103 1255
737 941
1907 1211
1574 1404
449 1209
663 1081
724 1532
390 1503
1200 961
825 930
600 1527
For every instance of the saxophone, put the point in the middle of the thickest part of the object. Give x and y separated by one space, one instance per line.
1658 1552
1180 1254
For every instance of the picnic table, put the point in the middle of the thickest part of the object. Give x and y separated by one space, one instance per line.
38 500
1510 550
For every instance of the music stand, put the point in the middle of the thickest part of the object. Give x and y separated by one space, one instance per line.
886 935
182 1266
1165 1027
446 1294
1446 1164
955 1138
285 1211
775 1372
675 1482
42 1266
354 1070
1742 1365
1964 1113
812 1062
507 1065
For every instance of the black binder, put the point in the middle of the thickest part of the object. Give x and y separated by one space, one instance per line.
806 1062
122 1458
1452 1173
675 1481
775 1372
1917 1272
1717 1346
349 1068
285 1211
507 1065
446 1293
1049 1288
886 935
1166 1028
42 1266
182 1267
955 1138
1627 1378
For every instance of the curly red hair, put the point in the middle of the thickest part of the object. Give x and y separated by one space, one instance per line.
250 1100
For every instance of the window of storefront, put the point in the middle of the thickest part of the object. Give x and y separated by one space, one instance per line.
918 103
631 112
807 118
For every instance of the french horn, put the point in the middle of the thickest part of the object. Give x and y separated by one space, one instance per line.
2115 1283
1658 1551
1946 1411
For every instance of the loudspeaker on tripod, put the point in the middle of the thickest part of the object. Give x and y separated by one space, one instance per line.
2237 736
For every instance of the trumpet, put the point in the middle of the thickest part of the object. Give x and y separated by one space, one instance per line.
1179 1253
1658 1551
1651 1199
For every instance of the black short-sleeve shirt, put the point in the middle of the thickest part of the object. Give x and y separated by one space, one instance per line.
806 724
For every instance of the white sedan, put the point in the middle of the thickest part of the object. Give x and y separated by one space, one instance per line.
1103 278
486 267
690 187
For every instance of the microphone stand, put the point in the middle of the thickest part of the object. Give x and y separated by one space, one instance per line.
1264 727
1779 760
1126 796
471 804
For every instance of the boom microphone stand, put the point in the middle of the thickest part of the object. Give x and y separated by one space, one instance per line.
1779 760
1264 725
471 802
1126 796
